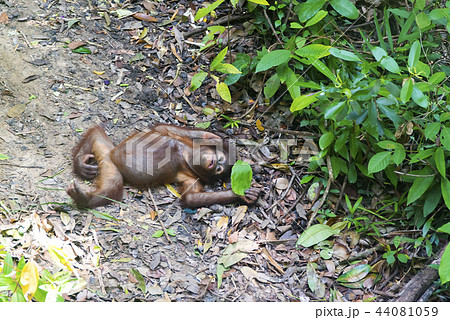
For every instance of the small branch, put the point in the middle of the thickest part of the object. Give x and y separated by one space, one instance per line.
271 27
223 20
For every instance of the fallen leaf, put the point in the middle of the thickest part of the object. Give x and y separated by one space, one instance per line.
4 18
17 110
76 44
145 17
238 215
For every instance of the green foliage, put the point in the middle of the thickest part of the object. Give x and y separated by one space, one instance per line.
21 282
382 107
241 177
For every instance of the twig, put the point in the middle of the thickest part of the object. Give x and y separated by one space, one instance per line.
157 215
325 194
285 193
341 194
222 20
271 26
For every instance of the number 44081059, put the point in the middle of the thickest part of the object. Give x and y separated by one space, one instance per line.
408 311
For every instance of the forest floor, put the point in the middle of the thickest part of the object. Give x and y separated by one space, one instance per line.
49 94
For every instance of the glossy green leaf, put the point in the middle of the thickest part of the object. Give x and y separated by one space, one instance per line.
302 102
414 55
227 68
422 20
334 109
445 228
432 199
309 9
326 139
197 80
263 2
319 65
82 50
418 97
314 235
444 267
445 189
356 274
272 86
431 130
390 65
272 59
219 58
418 188
241 177
391 114
379 161
344 55
314 51
436 78
223 91
318 17
208 9
345 8
439 159
445 138
406 92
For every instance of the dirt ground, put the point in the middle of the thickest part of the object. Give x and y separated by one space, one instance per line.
48 94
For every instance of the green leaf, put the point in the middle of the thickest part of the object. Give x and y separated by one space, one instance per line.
326 139
379 161
439 158
223 91
319 65
140 279
197 80
315 234
204 11
272 86
445 189
418 97
241 177
445 228
8 264
302 102
309 8
345 8
444 267
390 65
82 50
344 55
313 51
436 78
158 234
355 274
445 138
432 199
391 114
227 68
263 2
414 55
218 59
272 59
399 154
431 130
334 109
378 53
406 92
319 16
3 157
422 20
418 188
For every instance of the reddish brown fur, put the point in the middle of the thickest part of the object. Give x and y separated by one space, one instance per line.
141 160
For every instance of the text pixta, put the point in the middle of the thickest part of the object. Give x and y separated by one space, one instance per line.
337 312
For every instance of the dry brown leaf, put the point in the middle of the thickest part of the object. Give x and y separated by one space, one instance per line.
145 17
4 18
238 215
265 253
76 44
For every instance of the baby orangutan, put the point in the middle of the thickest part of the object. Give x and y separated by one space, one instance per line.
165 154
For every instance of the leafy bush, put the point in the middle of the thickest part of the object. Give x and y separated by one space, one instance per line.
381 104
